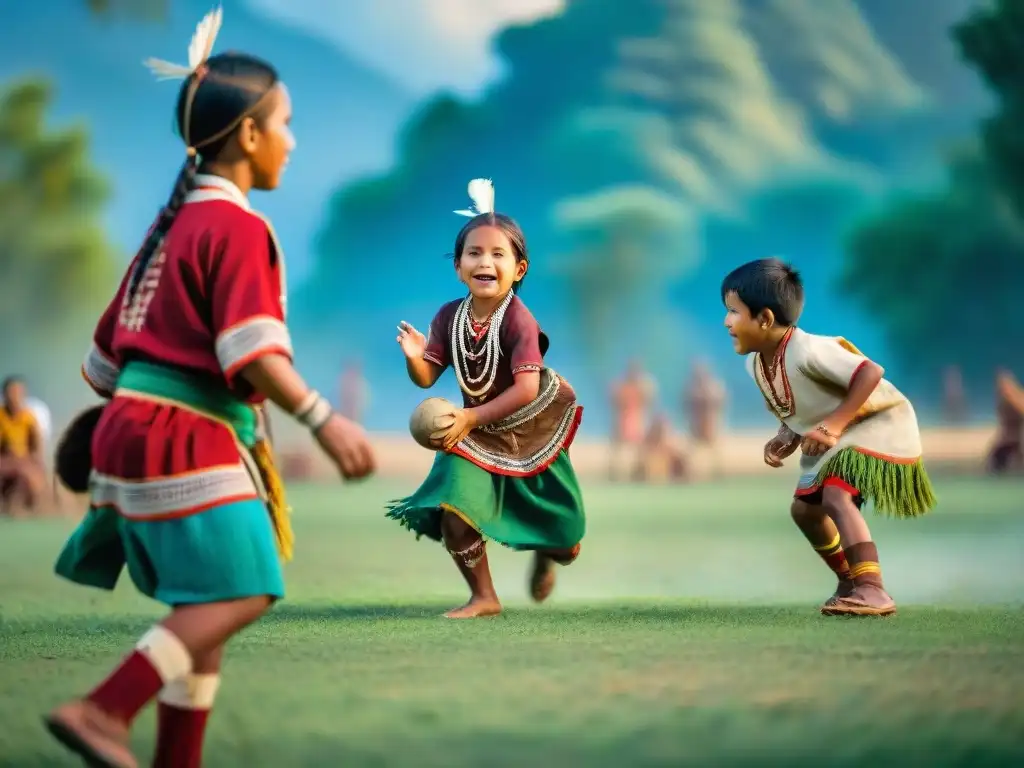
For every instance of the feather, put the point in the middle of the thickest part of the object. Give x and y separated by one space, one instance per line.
201 47
481 192
165 70
465 212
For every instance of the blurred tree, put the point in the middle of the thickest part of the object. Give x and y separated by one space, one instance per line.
990 41
55 260
151 10
627 246
943 274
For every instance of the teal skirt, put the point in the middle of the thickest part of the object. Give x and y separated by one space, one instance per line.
541 512
227 552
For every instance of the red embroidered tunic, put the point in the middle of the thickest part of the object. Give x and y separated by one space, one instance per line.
210 302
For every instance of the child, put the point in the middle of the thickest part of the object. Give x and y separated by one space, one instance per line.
504 471
857 432
181 483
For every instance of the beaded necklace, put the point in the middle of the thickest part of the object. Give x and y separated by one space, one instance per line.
467 345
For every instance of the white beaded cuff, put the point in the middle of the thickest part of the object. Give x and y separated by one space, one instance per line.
314 411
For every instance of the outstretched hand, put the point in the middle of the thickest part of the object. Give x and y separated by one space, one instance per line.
412 342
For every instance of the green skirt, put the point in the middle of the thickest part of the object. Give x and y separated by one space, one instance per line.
542 512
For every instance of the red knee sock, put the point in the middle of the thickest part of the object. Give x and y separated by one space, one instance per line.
159 657
184 708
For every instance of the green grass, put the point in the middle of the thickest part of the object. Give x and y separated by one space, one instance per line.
685 635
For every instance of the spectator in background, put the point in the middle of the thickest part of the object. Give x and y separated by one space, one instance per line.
1006 452
22 473
704 399
954 396
353 393
44 420
662 458
632 398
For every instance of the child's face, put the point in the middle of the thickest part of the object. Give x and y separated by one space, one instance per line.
748 332
488 263
272 142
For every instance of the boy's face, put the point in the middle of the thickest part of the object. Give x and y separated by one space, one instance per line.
748 333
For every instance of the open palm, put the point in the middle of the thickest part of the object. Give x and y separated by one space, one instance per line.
412 342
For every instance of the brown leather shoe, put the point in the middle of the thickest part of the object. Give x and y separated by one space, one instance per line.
844 588
865 600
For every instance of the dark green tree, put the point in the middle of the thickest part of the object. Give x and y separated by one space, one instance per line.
56 264
990 41
151 10
943 274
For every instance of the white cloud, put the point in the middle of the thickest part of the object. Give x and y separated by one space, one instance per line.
422 44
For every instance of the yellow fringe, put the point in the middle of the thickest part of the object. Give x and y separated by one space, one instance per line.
280 512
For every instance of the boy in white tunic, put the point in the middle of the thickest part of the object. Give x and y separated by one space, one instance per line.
858 434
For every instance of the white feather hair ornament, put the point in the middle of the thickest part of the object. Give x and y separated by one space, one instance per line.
481 192
199 49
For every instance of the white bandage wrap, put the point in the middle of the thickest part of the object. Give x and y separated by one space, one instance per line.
166 653
313 411
195 692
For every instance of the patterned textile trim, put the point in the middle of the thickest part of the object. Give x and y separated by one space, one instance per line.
526 466
174 496
550 383
241 344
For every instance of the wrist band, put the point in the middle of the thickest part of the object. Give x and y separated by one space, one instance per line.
314 411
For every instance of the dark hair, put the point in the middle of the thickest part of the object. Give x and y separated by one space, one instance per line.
506 224
212 103
768 284
73 457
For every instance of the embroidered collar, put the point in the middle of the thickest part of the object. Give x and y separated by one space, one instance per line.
210 187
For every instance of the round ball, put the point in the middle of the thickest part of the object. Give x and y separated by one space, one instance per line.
73 457
432 417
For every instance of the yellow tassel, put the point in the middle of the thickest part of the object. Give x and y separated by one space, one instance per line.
280 514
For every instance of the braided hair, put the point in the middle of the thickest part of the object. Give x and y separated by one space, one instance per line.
212 103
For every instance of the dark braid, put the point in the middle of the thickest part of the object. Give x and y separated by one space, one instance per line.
212 103
184 184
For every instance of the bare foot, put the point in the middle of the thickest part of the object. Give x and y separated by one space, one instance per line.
96 737
865 600
476 608
542 577
843 589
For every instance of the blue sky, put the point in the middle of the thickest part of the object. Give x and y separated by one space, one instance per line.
353 76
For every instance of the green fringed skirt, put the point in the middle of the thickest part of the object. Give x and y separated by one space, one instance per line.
894 488
541 512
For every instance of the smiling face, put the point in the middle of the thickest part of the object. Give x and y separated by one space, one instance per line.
488 264
749 333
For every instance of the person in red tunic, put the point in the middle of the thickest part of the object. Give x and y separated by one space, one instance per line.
183 489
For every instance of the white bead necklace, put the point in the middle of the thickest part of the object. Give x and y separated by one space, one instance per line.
490 350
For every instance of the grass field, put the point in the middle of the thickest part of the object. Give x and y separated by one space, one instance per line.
686 634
